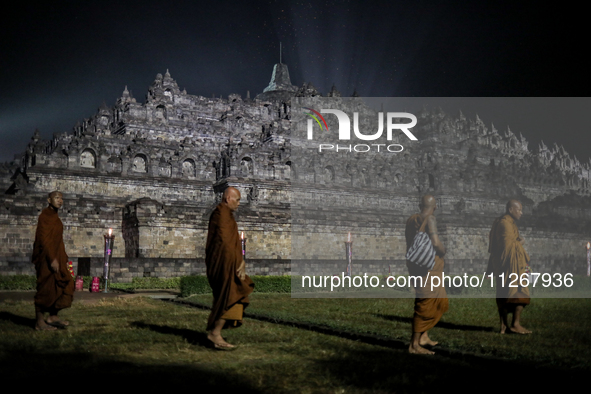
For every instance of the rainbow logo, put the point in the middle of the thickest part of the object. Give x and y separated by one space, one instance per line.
316 119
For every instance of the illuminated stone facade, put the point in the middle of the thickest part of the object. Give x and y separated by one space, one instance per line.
153 172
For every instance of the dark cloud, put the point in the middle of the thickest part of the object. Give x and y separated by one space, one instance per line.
61 60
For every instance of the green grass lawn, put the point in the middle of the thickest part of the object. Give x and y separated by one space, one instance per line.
156 345
561 326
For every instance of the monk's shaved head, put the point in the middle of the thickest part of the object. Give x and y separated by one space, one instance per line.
428 201
229 192
55 199
54 193
231 198
515 209
512 204
428 205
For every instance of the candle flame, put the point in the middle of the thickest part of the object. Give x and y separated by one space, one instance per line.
242 235
110 231
588 245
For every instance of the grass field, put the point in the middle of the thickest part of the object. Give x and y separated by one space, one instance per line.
561 326
158 345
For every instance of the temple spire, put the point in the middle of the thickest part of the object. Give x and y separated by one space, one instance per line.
280 86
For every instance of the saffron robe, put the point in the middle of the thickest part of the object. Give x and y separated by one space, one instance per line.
223 256
55 290
507 256
430 305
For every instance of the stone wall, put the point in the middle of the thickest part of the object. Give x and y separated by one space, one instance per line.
154 171
123 270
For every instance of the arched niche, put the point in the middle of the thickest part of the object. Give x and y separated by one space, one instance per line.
165 170
87 159
140 164
246 166
160 112
188 168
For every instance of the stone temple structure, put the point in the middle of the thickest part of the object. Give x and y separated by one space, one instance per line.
154 170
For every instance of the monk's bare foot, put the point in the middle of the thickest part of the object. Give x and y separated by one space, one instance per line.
519 329
56 321
425 340
428 342
219 342
44 327
418 349
503 329
224 346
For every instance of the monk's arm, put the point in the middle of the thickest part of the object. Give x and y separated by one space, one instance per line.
228 234
432 232
241 270
508 234
511 243
48 245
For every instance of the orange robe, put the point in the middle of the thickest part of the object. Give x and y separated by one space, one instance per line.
55 290
430 305
507 256
223 255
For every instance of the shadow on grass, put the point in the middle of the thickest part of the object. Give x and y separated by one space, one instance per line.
16 319
193 337
88 371
386 371
440 324
371 339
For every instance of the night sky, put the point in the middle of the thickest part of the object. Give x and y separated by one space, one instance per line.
61 60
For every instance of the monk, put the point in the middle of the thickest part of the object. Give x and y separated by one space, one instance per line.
55 285
226 270
508 258
430 305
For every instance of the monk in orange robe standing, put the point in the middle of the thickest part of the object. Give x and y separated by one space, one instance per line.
430 305
226 270
55 285
509 259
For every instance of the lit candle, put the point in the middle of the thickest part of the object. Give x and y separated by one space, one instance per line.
588 259
243 243
109 241
349 253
